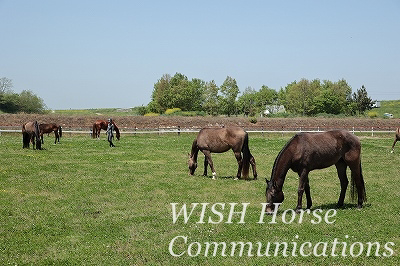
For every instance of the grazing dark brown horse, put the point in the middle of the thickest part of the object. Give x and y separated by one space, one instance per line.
102 124
220 140
31 133
308 151
396 138
48 128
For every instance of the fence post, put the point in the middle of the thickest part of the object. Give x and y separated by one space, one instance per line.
179 130
372 131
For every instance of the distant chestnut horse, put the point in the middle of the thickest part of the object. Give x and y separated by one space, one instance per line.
101 124
308 151
48 128
221 140
31 133
396 138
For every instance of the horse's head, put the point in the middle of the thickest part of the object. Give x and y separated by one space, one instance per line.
192 164
273 195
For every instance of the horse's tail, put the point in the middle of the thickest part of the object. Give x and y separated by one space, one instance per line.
354 185
117 131
25 138
37 136
60 131
94 131
246 156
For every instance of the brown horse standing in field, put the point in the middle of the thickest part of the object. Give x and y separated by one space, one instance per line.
48 128
220 140
308 151
31 133
396 138
101 124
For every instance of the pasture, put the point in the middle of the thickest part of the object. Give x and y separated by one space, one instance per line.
83 203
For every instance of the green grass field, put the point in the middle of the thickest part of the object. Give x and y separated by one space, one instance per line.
83 203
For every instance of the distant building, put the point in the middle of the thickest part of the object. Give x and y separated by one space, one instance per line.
274 109
377 104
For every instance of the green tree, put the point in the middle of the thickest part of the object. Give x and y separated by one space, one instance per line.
30 102
229 90
265 96
361 100
247 102
211 98
300 97
161 97
9 102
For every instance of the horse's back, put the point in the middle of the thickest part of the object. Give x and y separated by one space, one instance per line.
220 139
28 127
322 149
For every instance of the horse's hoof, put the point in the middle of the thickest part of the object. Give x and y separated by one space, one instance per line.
213 178
299 210
236 178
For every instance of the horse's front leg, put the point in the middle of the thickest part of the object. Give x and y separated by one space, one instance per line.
207 154
303 185
239 160
205 166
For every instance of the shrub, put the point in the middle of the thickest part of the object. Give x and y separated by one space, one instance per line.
372 114
172 111
151 114
253 120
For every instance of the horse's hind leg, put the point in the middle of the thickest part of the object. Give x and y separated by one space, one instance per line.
205 166
253 166
239 159
341 167
394 143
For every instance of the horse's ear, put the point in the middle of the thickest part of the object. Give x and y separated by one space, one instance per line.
266 180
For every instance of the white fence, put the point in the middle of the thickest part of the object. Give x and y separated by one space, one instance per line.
178 131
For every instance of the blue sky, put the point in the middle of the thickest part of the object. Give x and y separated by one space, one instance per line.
98 54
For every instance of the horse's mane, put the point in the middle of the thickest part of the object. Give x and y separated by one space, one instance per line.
279 156
195 150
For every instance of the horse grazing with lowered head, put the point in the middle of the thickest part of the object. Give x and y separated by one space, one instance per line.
102 124
48 128
220 140
31 133
396 138
308 151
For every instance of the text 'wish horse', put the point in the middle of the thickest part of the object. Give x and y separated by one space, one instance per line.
220 140
308 151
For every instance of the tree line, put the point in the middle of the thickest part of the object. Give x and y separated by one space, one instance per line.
26 101
304 97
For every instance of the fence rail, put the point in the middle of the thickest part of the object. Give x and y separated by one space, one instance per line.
178 131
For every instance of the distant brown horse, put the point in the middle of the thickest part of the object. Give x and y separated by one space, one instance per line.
220 140
308 151
396 138
48 128
31 133
101 124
